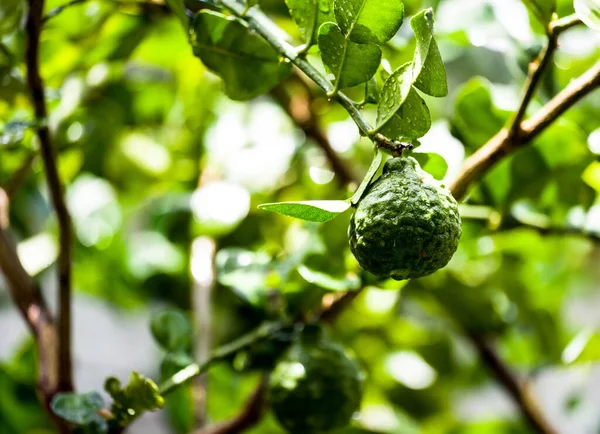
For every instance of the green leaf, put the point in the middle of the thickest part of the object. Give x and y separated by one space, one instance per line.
428 73
584 347
476 118
542 9
350 63
432 163
313 211
178 8
247 273
589 12
309 15
77 408
395 91
375 164
174 362
411 121
247 64
367 21
328 282
171 329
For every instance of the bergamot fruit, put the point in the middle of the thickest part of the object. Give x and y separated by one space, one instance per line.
315 386
406 225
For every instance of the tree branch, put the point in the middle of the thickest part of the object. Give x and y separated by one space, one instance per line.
572 94
250 415
503 143
518 390
33 29
262 25
261 333
298 108
539 66
32 306
19 176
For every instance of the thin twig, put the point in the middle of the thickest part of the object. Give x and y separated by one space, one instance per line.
331 312
250 415
538 67
298 108
33 29
19 176
263 25
57 10
503 143
261 333
32 306
202 268
519 390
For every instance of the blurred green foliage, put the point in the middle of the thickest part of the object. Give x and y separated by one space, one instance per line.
155 157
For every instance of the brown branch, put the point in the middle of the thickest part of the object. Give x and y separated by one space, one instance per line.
504 143
32 306
539 66
519 390
202 258
250 415
298 107
33 29
19 176
572 94
330 312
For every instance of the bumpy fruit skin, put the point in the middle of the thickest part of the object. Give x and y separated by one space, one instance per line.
406 225
315 387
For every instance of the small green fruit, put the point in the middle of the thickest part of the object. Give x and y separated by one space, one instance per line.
407 224
315 387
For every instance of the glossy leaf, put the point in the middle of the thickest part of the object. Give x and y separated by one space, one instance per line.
246 273
171 329
410 122
432 163
360 191
328 282
77 408
309 15
350 63
584 347
367 21
174 362
314 211
395 91
476 117
246 63
589 12
178 8
428 71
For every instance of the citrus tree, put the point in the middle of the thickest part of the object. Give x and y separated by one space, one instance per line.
350 216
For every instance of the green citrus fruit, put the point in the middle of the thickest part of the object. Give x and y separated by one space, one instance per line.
11 15
406 225
315 386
